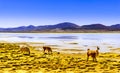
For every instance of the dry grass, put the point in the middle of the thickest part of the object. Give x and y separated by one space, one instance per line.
12 61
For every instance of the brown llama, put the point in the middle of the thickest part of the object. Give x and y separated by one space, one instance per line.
25 50
92 53
49 50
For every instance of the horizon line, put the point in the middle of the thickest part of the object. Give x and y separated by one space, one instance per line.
58 23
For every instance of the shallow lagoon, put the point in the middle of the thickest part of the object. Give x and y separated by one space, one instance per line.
83 41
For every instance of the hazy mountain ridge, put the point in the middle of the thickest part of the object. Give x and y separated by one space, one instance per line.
62 27
94 26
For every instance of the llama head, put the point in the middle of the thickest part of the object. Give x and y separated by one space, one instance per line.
88 49
98 48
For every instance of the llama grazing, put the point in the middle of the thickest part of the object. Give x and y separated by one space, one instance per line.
49 50
92 53
25 50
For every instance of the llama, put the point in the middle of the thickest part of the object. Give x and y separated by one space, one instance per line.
49 50
92 53
25 50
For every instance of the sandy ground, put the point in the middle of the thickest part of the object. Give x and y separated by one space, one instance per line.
14 61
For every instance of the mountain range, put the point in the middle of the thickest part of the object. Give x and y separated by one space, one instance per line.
62 27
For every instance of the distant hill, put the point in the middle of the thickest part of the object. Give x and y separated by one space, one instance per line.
21 28
115 27
65 25
62 27
94 27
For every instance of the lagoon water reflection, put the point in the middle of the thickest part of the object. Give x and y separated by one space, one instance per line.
83 41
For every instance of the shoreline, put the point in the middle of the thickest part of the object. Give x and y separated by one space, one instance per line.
66 32
63 49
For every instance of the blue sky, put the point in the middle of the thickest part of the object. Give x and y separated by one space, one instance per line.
15 13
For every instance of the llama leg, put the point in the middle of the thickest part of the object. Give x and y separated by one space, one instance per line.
44 50
51 51
48 51
87 58
95 59
29 53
